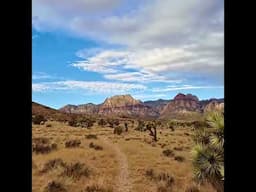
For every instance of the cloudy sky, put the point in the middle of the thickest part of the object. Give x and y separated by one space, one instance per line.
87 50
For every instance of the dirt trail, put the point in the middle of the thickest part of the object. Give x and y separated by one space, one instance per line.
123 183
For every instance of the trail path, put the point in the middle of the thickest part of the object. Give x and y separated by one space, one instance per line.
123 183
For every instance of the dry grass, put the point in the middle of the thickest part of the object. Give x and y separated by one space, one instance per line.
76 170
103 164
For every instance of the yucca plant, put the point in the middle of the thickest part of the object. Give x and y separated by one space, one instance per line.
208 153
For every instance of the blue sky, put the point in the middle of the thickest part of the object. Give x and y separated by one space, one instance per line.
84 51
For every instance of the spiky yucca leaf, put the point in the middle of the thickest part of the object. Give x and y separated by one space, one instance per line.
222 171
215 120
217 141
201 136
207 164
208 157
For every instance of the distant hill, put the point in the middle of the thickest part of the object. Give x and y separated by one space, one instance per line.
49 113
180 107
88 108
158 105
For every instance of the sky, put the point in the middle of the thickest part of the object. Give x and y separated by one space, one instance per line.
84 51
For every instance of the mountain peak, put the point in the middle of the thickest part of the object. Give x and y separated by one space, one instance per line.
120 101
181 96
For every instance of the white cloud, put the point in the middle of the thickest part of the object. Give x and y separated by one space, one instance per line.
154 23
185 87
204 59
91 86
144 77
170 39
37 87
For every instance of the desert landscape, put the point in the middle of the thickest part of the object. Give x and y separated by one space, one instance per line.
126 145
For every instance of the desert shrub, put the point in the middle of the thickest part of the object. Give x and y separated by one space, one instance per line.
72 123
91 136
102 122
165 179
151 127
76 170
178 148
118 130
163 188
37 119
192 188
54 146
168 153
179 158
116 122
72 143
42 145
52 164
163 145
49 125
91 145
187 134
96 147
172 124
113 122
87 122
169 179
150 173
199 124
97 188
40 140
141 126
54 186
84 122
126 126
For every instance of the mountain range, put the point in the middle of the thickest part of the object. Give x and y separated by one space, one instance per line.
125 105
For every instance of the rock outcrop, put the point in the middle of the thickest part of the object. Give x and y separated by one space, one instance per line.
89 109
126 105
